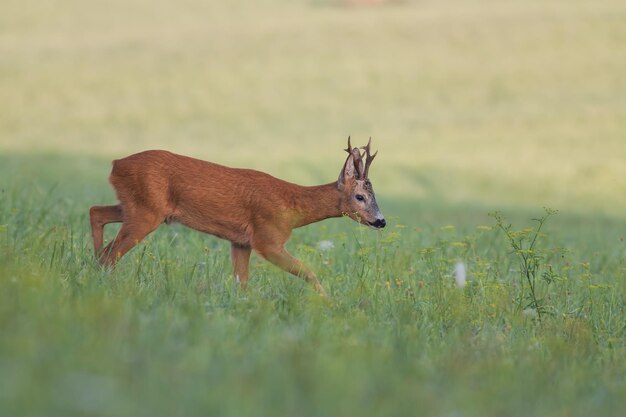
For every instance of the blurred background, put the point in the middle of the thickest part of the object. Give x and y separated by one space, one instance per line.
473 103
474 106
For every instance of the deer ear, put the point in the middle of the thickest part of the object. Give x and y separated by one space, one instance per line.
352 169
346 172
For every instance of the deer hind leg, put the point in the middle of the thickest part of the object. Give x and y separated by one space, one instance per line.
99 216
240 256
279 256
138 223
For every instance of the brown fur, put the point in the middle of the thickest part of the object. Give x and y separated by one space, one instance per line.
251 209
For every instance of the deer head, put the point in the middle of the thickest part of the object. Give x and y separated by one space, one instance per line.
359 200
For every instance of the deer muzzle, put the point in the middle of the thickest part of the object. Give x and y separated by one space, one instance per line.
379 223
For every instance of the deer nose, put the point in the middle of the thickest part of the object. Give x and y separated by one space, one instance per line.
380 223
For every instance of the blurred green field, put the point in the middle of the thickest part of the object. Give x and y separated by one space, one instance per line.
475 106
490 101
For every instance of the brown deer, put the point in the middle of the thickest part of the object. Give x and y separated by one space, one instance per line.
251 209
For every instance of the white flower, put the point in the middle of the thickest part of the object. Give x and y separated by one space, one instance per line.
459 274
325 245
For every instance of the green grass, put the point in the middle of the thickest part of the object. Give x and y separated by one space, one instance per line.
475 107
168 333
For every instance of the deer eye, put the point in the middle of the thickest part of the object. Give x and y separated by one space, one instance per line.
360 197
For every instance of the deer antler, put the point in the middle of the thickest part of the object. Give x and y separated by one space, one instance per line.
358 159
349 149
369 159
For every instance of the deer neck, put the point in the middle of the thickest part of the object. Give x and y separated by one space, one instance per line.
316 203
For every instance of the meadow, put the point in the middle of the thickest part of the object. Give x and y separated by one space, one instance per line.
484 113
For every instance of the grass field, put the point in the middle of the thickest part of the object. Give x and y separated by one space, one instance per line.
476 107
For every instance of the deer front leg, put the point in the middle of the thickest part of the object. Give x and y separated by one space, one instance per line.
281 258
240 256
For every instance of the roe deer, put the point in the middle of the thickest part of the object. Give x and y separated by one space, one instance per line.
251 209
